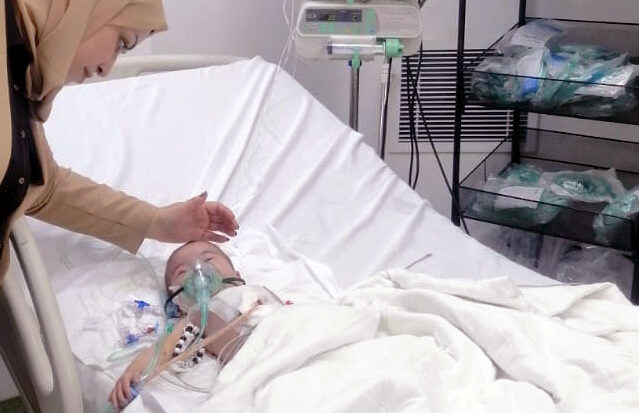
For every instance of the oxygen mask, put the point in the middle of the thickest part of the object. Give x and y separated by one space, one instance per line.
201 282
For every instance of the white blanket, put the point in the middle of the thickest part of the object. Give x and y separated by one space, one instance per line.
406 342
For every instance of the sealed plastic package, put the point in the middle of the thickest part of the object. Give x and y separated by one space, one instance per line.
519 196
538 67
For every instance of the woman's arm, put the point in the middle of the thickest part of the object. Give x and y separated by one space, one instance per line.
79 204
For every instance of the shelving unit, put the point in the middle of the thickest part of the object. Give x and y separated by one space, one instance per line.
551 151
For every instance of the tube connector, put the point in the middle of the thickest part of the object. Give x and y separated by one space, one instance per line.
393 48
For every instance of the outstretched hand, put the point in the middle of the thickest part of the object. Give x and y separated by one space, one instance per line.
193 220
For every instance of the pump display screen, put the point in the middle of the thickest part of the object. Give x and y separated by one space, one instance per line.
335 15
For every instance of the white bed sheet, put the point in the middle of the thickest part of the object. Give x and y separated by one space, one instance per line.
278 158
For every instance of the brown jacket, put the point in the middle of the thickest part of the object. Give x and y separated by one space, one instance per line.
67 199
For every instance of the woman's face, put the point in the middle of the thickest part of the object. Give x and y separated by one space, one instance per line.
97 53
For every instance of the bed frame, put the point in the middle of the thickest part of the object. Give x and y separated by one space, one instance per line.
35 346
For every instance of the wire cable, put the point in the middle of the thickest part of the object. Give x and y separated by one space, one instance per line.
389 68
416 97
412 91
412 135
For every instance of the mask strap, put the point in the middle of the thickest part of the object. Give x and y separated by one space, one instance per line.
233 281
169 300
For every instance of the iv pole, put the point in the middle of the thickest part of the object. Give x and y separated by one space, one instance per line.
353 111
389 48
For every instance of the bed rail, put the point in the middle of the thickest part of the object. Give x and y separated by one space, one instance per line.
130 66
51 382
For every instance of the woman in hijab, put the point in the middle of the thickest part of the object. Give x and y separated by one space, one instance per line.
50 43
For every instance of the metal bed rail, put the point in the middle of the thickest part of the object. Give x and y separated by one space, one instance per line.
35 347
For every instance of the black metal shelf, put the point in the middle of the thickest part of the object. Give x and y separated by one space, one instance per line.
575 95
551 151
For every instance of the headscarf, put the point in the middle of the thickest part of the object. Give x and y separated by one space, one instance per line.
55 28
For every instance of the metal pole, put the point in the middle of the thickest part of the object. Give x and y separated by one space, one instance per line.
522 12
354 102
516 137
459 110
386 77
517 130
634 292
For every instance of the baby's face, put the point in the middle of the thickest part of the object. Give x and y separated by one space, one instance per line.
178 266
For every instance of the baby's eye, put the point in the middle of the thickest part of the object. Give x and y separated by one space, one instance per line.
209 259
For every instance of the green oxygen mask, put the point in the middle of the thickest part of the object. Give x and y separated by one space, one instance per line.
200 284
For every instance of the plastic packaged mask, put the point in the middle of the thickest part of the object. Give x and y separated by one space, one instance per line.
614 221
518 197
589 186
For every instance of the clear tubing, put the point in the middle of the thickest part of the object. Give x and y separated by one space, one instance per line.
159 345
148 371
203 285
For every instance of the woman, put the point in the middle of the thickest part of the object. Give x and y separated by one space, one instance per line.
50 43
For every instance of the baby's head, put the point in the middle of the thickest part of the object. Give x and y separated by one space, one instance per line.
182 258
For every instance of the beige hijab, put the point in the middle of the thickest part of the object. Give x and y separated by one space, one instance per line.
55 28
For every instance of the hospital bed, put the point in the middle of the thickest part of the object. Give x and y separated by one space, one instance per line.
301 182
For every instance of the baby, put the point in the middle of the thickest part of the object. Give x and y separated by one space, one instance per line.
177 269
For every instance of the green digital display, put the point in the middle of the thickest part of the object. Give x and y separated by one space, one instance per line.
334 16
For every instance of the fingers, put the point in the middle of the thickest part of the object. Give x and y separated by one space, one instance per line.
222 217
126 389
213 237
122 394
226 230
113 399
123 401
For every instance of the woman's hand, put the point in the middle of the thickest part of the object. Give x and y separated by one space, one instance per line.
193 220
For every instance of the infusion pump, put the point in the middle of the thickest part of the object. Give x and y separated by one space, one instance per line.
332 29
